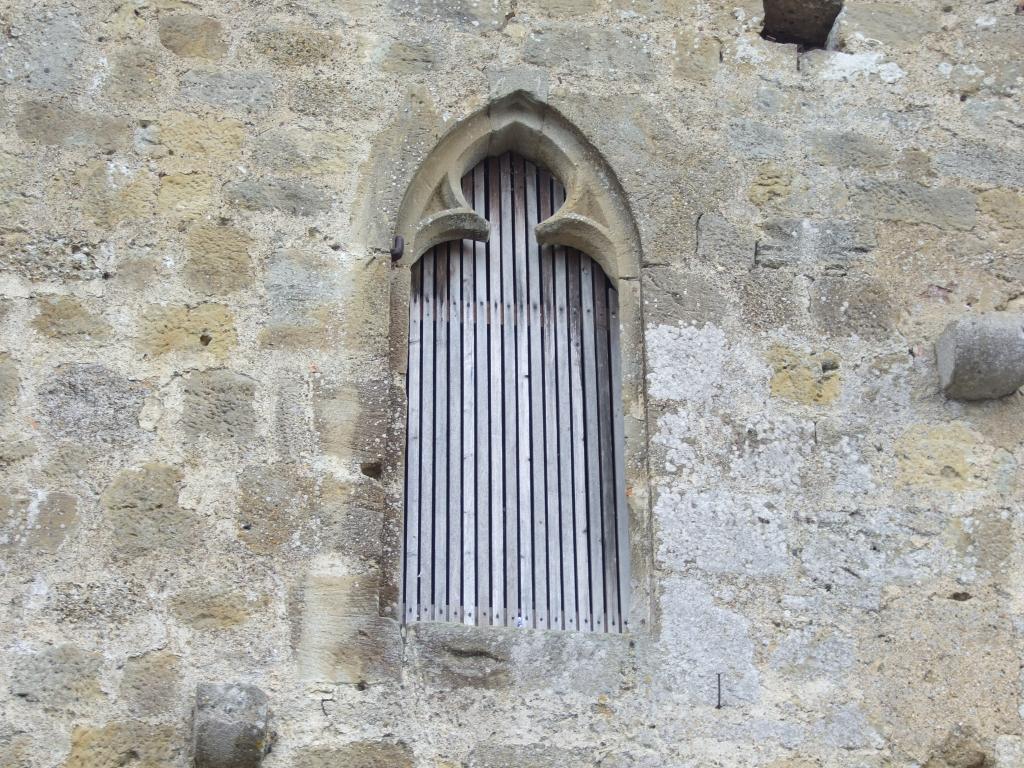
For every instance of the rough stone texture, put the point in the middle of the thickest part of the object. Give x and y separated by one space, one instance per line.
231 726
202 356
807 22
981 357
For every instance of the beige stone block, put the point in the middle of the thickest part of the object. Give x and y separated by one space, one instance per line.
134 74
151 684
62 677
10 382
142 512
204 328
947 457
292 46
214 610
853 305
186 195
192 35
199 140
771 185
119 744
64 317
218 259
219 404
1006 206
695 58
357 754
38 522
808 379
110 193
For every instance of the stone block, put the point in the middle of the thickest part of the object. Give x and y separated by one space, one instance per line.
10 382
588 50
186 195
193 35
294 149
505 80
64 317
38 522
981 357
198 141
46 54
251 91
852 306
59 677
292 46
789 242
90 403
808 379
109 193
205 611
1006 206
695 58
150 684
771 185
56 124
357 754
134 74
124 743
906 201
477 16
142 512
231 726
806 22
218 259
724 244
219 403
48 256
528 756
848 150
865 26
304 290
454 656
294 197
203 328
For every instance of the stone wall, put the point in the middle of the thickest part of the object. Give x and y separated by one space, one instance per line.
198 440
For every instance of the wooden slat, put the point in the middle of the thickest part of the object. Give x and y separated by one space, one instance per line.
606 456
492 212
509 399
525 608
483 493
593 446
410 582
618 445
579 448
440 538
469 436
453 555
426 584
563 444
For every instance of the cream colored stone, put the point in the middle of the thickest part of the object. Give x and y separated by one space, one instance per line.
64 317
206 328
200 140
186 195
218 259
812 379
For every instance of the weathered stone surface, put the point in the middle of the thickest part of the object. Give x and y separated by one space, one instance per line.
587 49
850 306
300 150
10 382
410 57
141 508
294 197
38 522
201 140
807 379
789 242
845 149
1006 206
90 403
218 259
55 123
251 91
527 756
806 22
348 425
696 57
944 207
453 656
151 684
193 36
48 257
862 26
64 317
723 243
203 328
477 16
304 292
358 754
947 457
187 195
46 53
135 74
292 46
981 357
988 163
130 742
57 677
206 611
218 403
771 185
111 193
231 726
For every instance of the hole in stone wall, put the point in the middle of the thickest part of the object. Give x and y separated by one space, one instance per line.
205 339
805 23
960 597
372 469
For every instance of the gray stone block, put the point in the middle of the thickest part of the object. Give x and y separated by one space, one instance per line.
981 357
231 726
825 241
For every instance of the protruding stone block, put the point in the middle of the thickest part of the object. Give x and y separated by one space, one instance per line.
981 357
231 728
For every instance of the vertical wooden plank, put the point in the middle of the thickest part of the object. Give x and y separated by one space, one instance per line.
453 511
605 449
509 398
618 443
579 448
411 565
426 584
525 607
468 310
440 539
549 364
592 442
537 474
492 212
564 441
483 491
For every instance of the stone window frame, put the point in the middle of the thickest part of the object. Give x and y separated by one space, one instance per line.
595 219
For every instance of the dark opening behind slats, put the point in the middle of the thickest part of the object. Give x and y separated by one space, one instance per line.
515 497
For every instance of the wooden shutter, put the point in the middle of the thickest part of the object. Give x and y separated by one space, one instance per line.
515 500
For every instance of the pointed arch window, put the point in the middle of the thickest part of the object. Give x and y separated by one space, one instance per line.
515 497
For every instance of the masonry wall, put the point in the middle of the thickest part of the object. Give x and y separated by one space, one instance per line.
197 431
